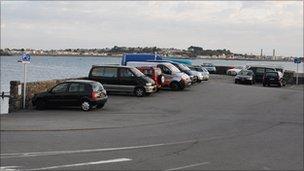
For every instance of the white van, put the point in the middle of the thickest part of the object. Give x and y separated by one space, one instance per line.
174 78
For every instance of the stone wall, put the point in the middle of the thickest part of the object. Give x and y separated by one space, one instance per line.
32 88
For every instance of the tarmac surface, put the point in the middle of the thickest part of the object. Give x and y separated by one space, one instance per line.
214 125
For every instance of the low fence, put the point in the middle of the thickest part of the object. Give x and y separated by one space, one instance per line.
4 98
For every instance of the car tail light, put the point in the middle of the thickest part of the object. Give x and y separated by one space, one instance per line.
95 95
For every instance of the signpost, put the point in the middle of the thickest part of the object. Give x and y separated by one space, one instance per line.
25 59
297 61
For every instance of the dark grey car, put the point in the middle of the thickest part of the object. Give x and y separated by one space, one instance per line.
244 76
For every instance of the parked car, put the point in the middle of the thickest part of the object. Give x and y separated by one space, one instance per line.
183 68
205 74
83 93
174 78
194 76
123 79
260 70
210 67
202 70
234 71
273 77
244 76
154 73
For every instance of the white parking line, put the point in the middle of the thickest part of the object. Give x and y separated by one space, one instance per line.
9 168
81 164
47 153
187 166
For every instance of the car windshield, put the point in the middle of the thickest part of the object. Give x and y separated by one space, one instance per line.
173 68
183 67
197 68
137 72
245 73
204 69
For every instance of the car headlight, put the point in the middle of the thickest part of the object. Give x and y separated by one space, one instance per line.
148 84
162 79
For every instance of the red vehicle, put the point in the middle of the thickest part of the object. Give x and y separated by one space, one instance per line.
154 73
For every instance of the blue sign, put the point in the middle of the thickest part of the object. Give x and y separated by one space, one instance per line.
297 60
25 58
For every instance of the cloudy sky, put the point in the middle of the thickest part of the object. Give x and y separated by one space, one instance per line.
242 27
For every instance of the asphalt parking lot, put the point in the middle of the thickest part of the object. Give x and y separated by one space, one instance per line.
210 126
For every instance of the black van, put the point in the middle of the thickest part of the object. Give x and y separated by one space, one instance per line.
123 79
259 71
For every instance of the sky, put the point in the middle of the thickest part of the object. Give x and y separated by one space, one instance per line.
240 26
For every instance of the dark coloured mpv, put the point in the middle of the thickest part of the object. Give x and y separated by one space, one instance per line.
123 79
275 77
83 93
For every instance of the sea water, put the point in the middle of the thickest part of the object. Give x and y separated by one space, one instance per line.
59 67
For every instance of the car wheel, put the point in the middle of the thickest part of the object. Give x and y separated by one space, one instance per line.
264 84
41 104
85 105
175 86
235 81
250 83
139 92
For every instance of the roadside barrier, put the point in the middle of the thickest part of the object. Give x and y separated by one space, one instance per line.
4 102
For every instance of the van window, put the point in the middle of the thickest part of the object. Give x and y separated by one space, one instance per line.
97 72
260 70
271 74
110 72
137 72
104 72
270 69
124 72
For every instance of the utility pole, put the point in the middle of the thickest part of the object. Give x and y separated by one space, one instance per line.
261 54
273 54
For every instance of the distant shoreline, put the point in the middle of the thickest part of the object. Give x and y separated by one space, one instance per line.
225 59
